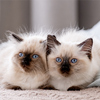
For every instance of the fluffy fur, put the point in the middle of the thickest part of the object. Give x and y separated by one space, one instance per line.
23 72
96 82
72 44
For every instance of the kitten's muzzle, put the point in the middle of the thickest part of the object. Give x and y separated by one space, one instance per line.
65 66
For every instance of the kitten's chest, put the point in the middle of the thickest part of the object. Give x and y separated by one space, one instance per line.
27 81
65 83
60 84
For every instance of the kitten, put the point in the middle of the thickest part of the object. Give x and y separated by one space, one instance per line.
73 63
23 62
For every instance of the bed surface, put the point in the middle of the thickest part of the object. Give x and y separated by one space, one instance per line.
86 94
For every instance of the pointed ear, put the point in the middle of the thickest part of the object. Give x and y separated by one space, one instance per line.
19 39
51 42
87 47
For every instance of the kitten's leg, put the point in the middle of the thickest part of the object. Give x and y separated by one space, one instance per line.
95 83
9 86
15 88
74 88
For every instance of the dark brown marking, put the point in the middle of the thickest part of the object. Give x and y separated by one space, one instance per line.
51 42
65 67
87 47
74 88
29 64
16 88
17 38
26 60
9 86
47 87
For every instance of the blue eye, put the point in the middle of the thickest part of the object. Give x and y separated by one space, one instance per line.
58 59
21 54
73 60
35 56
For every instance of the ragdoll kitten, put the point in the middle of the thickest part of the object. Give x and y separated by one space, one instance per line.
73 63
23 62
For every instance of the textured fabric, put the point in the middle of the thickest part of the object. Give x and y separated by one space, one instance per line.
86 94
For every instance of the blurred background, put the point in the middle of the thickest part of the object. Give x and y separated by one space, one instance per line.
31 15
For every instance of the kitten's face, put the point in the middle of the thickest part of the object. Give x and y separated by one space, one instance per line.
30 55
68 59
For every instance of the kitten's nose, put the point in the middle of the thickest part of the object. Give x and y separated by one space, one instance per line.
25 61
65 66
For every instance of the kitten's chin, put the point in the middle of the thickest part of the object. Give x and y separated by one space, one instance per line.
26 68
56 75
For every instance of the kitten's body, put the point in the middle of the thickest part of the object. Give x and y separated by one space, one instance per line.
96 82
79 75
12 73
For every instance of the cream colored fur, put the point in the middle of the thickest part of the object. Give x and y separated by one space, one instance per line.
85 72
10 71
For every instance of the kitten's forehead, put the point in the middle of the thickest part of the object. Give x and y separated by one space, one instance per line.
31 45
66 50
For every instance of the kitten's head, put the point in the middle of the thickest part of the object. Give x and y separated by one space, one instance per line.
29 54
68 59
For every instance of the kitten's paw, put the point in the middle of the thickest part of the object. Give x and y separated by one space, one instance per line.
9 86
47 87
16 88
74 88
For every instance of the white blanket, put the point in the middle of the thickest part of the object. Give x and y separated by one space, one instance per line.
94 31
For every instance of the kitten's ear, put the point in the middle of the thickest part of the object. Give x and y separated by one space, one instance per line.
51 42
16 37
87 46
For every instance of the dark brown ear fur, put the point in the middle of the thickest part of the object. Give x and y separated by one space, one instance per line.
87 47
51 42
17 37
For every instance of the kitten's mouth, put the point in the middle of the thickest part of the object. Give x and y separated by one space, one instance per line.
24 66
